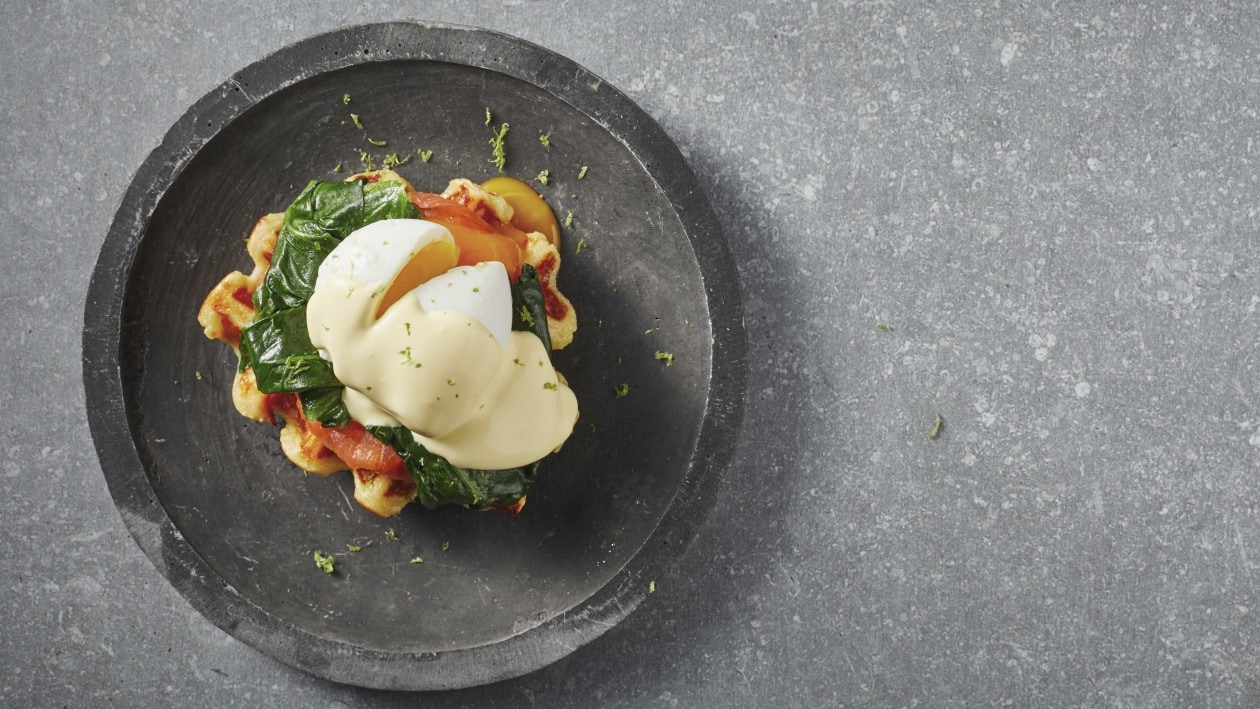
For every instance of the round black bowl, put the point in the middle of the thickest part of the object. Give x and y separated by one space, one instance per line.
232 525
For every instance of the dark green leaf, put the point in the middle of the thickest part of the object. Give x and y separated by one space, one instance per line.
290 281
527 294
385 200
280 351
438 482
325 405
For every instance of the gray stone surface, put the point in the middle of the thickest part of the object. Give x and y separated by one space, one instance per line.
1053 209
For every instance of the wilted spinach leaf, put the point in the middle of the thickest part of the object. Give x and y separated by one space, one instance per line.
438 482
279 349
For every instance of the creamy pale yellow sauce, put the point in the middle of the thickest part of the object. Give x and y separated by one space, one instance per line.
443 375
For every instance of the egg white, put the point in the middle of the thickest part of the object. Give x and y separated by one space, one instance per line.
481 292
377 253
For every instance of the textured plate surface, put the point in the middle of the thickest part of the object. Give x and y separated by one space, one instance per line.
232 525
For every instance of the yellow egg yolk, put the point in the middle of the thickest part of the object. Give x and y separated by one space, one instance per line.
531 213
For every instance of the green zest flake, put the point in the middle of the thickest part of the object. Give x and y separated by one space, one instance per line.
425 155
666 357
488 116
884 327
544 177
446 545
406 351
351 547
621 390
408 326
337 168
935 431
581 245
197 374
689 323
545 140
369 163
550 386
651 587
391 535
496 144
345 98
649 331
416 560
377 143
568 219
357 123
526 317
323 561
392 160
582 173
296 364
294 367
450 382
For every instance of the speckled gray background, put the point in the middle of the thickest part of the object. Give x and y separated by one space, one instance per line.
1055 211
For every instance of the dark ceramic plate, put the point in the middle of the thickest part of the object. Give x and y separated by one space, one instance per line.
232 525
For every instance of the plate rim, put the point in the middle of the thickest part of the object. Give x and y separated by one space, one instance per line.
113 436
